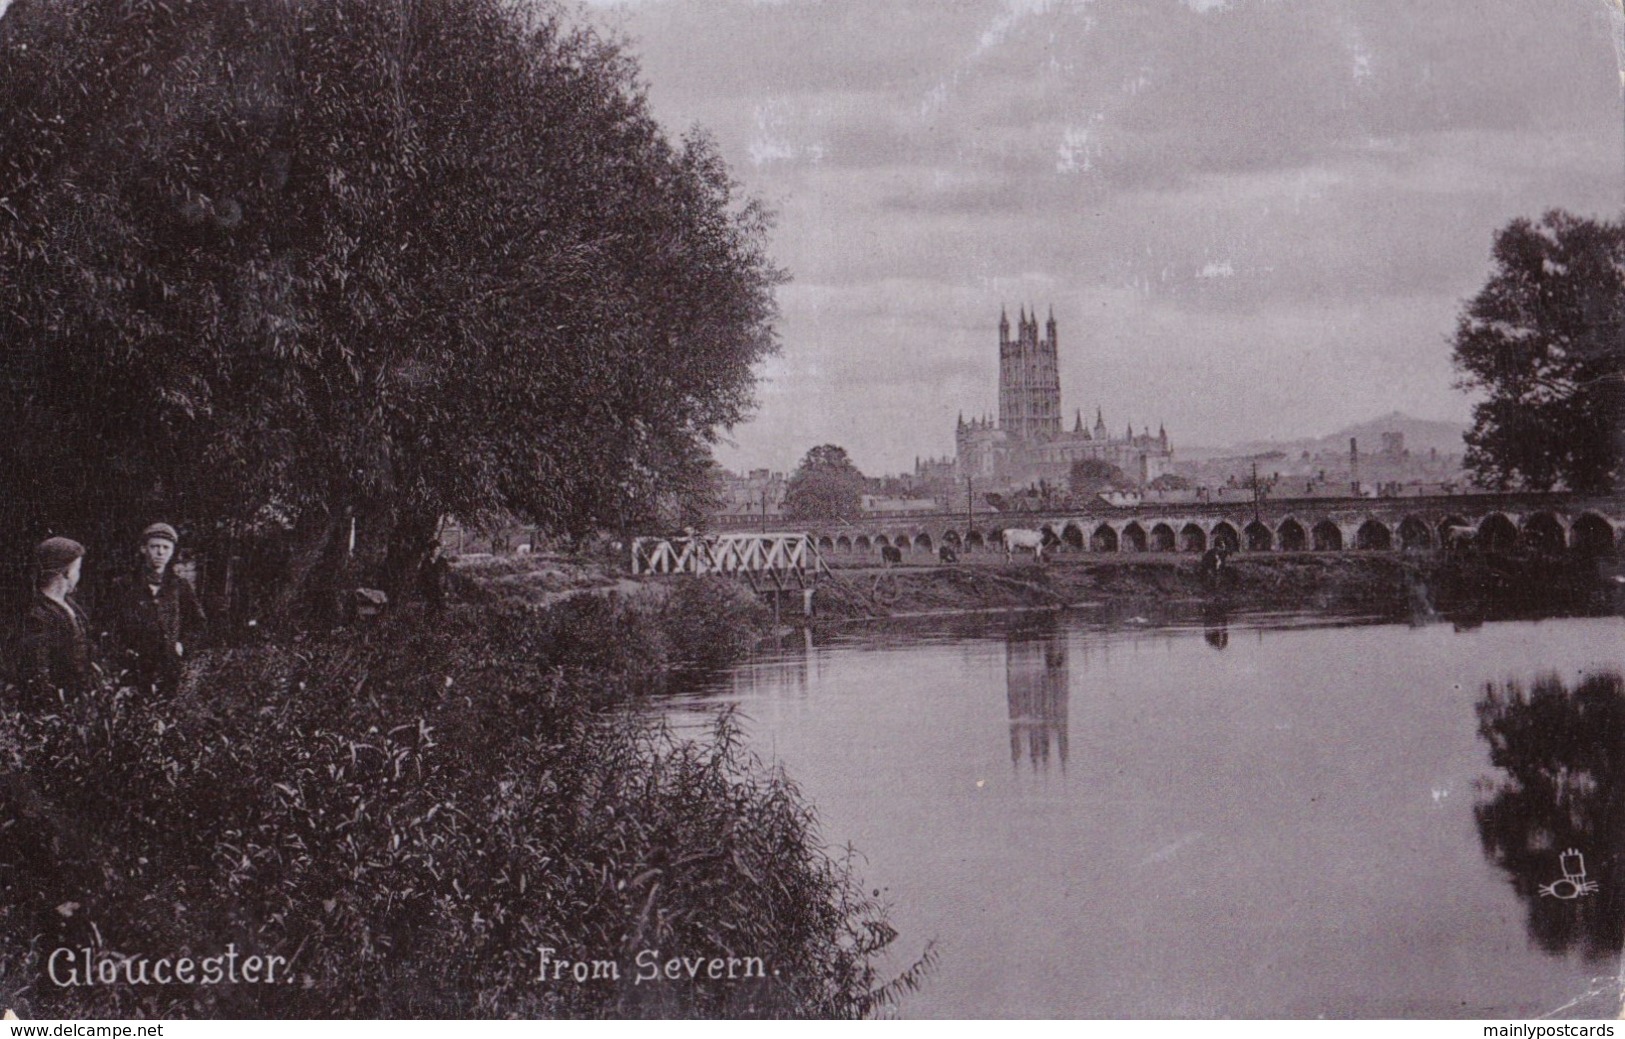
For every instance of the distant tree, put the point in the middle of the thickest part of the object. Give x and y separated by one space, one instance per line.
826 485
1544 340
294 264
1170 482
1092 475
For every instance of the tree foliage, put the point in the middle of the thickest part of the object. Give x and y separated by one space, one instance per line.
826 485
289 262
1544 340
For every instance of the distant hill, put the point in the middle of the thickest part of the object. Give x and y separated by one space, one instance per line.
1420 436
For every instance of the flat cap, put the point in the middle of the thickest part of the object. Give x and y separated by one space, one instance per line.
55 555
160 530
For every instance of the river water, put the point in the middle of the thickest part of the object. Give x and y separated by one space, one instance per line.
1247 817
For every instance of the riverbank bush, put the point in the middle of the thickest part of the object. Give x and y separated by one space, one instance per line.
410 814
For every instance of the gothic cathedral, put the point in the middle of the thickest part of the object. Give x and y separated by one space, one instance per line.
1028 443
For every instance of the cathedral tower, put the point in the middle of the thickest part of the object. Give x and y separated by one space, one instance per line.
1029 379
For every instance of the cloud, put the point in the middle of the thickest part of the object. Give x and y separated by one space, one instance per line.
1255 213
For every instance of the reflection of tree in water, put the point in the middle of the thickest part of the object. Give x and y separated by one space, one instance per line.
1561 753
1035 677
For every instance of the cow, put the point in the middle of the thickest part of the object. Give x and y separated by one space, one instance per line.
890 554
1213 570
1015 538
1458 538
947 554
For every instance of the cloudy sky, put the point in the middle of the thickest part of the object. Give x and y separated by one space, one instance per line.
1253 218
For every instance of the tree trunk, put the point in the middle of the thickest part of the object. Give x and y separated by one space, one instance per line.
316 571
410 542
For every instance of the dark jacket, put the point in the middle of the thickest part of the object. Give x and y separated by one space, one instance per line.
55 647
147 626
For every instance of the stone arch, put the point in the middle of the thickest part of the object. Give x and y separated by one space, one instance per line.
1544 532
1051 536
1162 538
862 544
1259 537
974 541
1592 535
882 541
1104 539
826 544
1496 533
1414 535
1192 538
902 542
951 539
1293 538
923 542
1327 536
1374 536
1225 537
843 544
1072 535
1132 539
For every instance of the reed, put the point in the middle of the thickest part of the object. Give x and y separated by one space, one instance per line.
410 813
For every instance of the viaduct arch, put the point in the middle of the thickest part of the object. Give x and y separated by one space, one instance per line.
1535 522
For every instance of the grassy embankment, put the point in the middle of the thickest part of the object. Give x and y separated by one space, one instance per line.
411 811
1164 587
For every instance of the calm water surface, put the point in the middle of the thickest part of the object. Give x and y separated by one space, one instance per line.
1261 818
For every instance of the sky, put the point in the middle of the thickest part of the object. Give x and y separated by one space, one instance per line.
1252 218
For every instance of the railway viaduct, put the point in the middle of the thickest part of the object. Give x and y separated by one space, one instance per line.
1541 522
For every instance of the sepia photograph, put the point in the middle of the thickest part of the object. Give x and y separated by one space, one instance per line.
819 509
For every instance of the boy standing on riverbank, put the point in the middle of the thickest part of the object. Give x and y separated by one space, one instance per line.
56 631
158 614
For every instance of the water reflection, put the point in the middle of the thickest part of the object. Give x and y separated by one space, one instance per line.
1036 680
782 673
1561 752
1216 624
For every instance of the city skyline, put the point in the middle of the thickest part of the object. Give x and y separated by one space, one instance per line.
1252 220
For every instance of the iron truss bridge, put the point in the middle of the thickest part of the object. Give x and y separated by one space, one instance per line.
770 562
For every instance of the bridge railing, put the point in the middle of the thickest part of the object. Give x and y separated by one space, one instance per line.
726 554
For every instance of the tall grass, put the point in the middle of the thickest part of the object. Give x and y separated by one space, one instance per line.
409 814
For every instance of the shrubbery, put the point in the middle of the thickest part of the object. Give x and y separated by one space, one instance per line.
409 813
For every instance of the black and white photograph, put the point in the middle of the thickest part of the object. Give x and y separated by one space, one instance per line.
817 509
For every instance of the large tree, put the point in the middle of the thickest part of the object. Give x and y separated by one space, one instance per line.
826 485
1544 341
299 264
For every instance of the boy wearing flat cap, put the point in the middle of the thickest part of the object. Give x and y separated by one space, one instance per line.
56 631
158 614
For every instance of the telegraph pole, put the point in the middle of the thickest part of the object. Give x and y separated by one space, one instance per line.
1255 490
